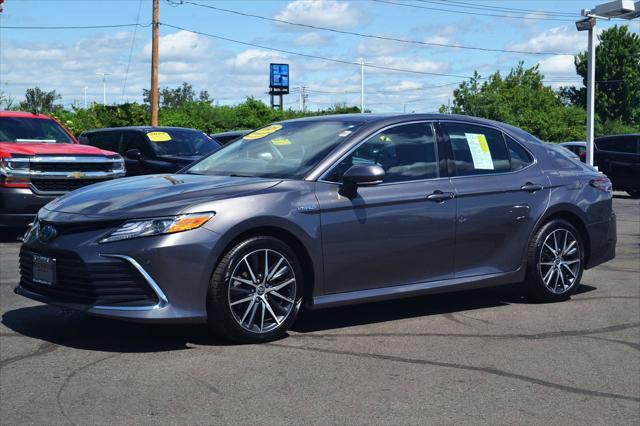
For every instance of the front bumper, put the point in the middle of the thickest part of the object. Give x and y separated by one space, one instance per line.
19 206
152 279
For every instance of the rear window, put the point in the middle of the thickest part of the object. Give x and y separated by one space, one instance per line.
29 130
623 144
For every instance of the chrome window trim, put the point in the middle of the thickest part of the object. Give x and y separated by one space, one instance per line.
162 299
328 169
533 163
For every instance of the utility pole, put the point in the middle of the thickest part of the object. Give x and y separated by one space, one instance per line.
85 96
104 86
154 64
361 85
301 96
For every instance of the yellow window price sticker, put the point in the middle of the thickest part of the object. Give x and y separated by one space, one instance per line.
261 133
159 136
281 141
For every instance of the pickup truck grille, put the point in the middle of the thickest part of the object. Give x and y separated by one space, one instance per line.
44 167
61 185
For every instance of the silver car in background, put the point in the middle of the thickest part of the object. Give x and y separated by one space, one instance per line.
321 212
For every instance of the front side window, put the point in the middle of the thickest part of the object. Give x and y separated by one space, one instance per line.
406 153
477 150
25 130
287 150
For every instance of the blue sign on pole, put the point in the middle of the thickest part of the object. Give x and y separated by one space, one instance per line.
279 76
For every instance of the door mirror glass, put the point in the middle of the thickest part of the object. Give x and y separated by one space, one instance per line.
133 154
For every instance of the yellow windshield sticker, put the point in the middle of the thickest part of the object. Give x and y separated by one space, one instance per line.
480 153
159 136
281 141
261 133
385 138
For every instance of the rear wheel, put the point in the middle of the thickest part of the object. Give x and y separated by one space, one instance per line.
555 262
256 291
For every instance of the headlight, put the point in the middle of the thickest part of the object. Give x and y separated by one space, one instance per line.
157 226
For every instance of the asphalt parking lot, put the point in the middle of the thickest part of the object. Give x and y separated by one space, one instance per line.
484 356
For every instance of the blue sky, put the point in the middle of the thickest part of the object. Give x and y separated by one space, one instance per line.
68 60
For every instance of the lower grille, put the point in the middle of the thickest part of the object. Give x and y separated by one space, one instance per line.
61 185
113 283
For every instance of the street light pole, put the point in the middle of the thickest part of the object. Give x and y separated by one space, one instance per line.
104 86
591 89
85 97
361 85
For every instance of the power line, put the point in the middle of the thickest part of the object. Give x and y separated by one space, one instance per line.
373 36
83 27
497 8
307 55
133 41
473 13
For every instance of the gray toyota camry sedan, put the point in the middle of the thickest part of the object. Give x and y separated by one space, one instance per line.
320 212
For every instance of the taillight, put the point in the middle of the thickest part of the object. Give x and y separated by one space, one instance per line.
602 183
14 172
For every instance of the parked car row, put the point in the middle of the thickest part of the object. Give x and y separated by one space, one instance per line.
321 212
617 156
41 160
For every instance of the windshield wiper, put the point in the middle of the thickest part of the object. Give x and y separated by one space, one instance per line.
240 175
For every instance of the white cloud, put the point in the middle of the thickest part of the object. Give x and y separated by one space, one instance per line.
559 39
180 46
404 86
254 60
375 47
328 13
311 39
411 64
558 65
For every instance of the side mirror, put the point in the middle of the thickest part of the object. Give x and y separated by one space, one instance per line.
133 154
360 175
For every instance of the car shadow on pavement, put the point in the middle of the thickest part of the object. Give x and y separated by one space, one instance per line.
77 330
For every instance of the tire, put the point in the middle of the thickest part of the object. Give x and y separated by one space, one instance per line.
634 193
543 280
242 305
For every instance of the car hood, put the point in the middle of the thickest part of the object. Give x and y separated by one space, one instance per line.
147 196
51 149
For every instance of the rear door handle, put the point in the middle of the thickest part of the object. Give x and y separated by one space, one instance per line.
440 197
531 187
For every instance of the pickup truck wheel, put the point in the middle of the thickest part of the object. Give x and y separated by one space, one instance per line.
255 292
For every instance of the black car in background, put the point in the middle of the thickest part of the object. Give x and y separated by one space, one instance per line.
618 157
224 138
149 150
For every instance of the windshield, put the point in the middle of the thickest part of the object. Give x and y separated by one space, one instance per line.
185 142
286 150
21 129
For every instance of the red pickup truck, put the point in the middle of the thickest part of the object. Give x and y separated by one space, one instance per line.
40 160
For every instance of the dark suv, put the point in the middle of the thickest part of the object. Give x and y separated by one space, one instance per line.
149 150
618 156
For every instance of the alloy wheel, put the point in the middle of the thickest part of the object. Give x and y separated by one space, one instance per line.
560 261
262 291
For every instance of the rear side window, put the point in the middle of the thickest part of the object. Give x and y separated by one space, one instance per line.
477 150
104 140
519 156
406 153
623 144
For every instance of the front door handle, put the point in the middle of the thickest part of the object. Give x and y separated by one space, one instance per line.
439 196
531 187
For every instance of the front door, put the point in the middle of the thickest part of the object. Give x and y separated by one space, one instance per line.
394 233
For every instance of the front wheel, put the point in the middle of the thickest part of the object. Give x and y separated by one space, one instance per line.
255 292
555 262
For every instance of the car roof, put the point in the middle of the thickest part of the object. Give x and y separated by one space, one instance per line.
618 136
23 114
139 129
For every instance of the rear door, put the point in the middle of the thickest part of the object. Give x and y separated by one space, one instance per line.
392 233
500 194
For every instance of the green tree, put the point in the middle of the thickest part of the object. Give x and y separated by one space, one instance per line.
617 96
38 100
177 97
520 99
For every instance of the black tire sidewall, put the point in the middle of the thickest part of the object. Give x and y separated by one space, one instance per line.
535 282
219 313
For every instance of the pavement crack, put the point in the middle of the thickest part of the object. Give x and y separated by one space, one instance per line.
43 348
487 370
71 376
